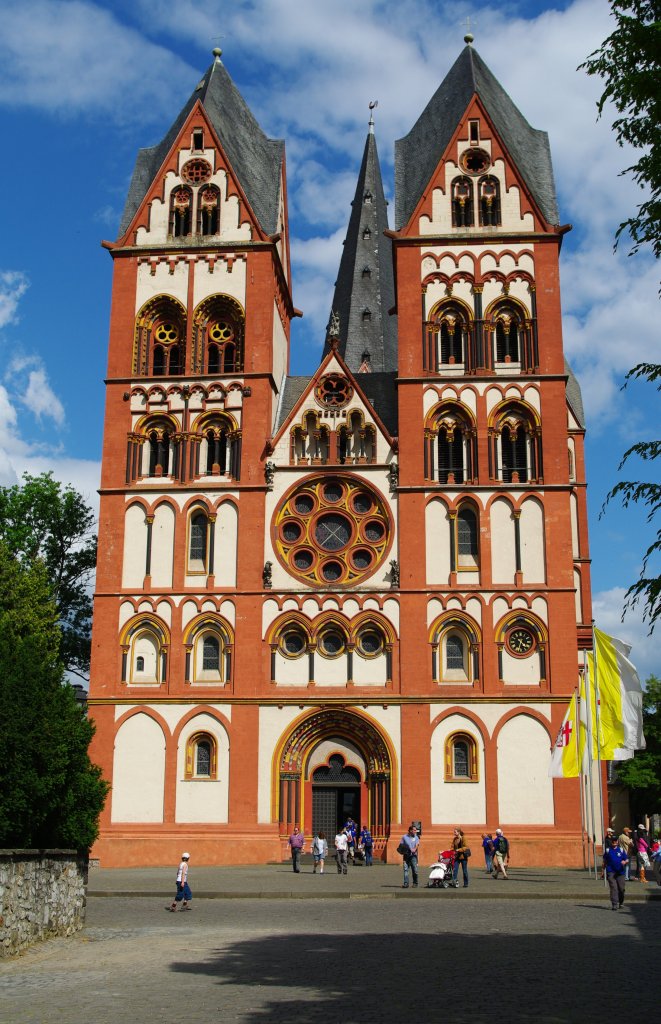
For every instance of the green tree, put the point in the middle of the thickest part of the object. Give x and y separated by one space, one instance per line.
642 774
42 519
629 62
51 793
647 587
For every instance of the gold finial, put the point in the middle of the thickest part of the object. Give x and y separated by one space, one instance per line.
217 52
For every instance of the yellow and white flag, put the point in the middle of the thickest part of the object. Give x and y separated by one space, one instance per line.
620 698
566 755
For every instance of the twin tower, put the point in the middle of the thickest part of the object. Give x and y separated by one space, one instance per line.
362 593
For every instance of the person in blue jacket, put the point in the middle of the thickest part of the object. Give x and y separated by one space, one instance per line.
615 863
367 844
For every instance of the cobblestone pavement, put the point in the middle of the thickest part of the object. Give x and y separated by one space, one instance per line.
328 961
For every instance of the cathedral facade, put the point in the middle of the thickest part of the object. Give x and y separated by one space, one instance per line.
363 592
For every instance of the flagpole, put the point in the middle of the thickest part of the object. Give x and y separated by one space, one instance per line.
588 722
598 728
586 859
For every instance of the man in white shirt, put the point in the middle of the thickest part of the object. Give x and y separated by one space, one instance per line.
342 847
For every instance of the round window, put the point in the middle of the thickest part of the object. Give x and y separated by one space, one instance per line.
370 643
293 643
332 531
196 171
331 643
475 161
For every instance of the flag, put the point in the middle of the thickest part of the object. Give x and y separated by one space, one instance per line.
620 698
565 758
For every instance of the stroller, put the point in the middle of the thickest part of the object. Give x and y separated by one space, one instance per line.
440 876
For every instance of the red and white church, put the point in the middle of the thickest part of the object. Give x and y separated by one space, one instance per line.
365 592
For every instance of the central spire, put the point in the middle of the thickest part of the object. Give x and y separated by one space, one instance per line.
364 290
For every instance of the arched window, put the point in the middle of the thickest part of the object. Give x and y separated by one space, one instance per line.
166 348
517 441
181 210
467 538
201 756
461 763
216 451
508 332
455 651
208 657
218 336
159 437
198 543
208 211
144 652
489 200
450 452
462 203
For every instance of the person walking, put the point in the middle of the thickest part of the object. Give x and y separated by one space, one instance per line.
297 845
501 854
342 849
615 863
183 894
642 853
367 844
409 847
626 842
461 855
319 852
487 846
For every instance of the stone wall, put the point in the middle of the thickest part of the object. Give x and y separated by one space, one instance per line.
42 893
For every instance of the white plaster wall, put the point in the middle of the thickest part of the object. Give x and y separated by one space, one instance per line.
503 554
573 506
138 777
571 459
203 800
188 613
510 201
369 671
521 671
291 671
135 547
525 791
437 546
453 802
533 548
330 671
490 715
474 609
280 355
541 608
162 547
126 611
226 278
273 722
226 539
168 278
390 610
434 609
579 603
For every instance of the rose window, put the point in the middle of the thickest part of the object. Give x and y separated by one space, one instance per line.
332 532
333 391
196 171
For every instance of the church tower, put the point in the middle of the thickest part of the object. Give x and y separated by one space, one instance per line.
360 593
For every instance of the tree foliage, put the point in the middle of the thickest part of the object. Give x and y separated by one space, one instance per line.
42 519
629 62
647 587
642 774
51 794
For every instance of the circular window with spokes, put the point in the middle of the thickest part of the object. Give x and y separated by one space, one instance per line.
332 531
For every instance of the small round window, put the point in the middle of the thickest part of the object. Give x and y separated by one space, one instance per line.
331 643
292 643
370 643
196 171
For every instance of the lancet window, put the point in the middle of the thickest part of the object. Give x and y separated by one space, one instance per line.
516 450
488 189
181 212
159 347
450 445
219 327
208 210
463 215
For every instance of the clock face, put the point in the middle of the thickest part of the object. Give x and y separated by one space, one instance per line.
520 641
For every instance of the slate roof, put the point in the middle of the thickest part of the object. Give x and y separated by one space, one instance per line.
574 396
254 157
418 153
365 278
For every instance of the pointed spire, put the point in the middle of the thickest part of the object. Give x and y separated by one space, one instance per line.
364 290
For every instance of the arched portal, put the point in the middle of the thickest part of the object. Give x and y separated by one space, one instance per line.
343 758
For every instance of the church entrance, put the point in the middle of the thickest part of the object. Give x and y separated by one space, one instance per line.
335 796
334 764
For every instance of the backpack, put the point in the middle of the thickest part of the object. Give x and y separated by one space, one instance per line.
501 844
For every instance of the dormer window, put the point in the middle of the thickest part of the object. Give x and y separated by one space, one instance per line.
474 133
367 314
367 197
367 233
198 140
367 272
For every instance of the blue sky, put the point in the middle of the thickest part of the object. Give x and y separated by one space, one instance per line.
83 85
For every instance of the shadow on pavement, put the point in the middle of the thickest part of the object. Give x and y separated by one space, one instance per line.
431 976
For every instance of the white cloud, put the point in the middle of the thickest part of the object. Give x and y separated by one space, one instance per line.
73 57
40 398
13 285
607 608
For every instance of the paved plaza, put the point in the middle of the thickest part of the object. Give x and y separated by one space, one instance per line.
383 954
